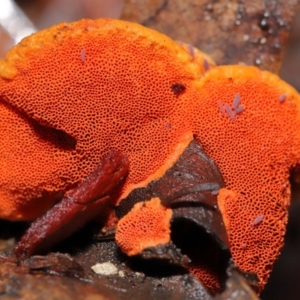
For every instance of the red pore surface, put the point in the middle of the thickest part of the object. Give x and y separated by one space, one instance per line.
255 149
146 225
111 84
103 84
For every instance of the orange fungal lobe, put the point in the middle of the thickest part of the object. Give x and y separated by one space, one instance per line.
255 154
106 86
146 225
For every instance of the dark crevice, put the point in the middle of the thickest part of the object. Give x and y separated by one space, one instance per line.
155 267
286 269
191 182
201 247
58 138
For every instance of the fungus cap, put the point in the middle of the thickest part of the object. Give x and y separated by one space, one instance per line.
146 225
254 147
103 84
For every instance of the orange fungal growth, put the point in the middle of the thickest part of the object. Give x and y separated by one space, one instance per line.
103 84
146 225
207 275
30 153
255 150
226 197
71 93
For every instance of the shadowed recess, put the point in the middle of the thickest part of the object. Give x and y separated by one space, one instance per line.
58 138
208 260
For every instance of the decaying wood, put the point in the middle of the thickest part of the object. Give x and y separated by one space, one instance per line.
231 32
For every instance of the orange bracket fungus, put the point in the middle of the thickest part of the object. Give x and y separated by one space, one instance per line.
72 93
146 225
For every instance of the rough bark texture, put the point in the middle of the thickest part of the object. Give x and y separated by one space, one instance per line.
231 32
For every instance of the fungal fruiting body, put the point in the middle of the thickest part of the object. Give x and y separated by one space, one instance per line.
187 191
255 153
148 224
108 84
116 94
30 152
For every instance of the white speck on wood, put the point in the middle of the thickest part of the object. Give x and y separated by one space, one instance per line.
106 268
121 274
